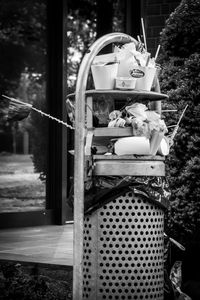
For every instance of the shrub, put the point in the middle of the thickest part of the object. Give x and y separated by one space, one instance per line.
17 283
180 79
180 37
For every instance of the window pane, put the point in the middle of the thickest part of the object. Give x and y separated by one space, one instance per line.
23 138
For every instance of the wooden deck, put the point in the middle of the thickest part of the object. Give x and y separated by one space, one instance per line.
44 245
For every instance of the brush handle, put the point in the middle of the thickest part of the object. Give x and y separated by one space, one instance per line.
52 118
177 125
171 139
39 111
17 101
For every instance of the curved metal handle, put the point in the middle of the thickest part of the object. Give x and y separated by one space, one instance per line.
85 68
79 151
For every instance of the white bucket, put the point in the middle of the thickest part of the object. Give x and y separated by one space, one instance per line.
139 145
104 76
145 82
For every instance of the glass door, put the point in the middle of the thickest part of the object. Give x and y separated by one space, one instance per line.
23 137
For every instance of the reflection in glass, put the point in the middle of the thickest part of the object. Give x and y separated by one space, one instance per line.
23 144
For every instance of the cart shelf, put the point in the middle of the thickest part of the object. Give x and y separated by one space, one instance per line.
137 95
128 165
130 157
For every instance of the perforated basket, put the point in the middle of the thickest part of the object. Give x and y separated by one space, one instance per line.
123 250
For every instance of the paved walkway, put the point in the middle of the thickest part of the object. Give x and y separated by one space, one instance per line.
42 244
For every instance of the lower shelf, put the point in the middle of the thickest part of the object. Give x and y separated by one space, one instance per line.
122 166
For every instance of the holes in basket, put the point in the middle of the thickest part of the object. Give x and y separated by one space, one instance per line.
130 257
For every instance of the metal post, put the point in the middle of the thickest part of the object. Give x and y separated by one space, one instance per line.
79 153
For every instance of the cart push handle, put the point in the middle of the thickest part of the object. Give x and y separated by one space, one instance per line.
79 153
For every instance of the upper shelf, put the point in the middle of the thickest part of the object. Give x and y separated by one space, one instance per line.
123 94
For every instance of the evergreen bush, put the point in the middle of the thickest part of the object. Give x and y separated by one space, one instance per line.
180 37
180 79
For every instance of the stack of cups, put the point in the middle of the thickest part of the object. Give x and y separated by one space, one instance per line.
145 82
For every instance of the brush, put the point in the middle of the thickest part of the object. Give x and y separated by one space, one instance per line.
172 136
13 110
16 110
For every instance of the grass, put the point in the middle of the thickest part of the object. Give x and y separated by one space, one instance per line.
20 187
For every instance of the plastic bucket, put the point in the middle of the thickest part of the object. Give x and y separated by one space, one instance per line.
104 76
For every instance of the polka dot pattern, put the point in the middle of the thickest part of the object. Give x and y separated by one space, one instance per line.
123 251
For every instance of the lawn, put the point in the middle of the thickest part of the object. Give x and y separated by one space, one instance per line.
20 187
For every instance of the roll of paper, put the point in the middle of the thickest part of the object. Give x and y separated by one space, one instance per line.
139 145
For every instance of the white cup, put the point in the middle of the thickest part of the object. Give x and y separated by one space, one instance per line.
164 146
155 141
145 82
104 76
125 83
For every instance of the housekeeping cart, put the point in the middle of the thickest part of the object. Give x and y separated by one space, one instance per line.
119 245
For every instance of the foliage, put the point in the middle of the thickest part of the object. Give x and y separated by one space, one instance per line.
17 284
82 25
22 39
180 37
118 16
180 78
81 34
23 45
38 126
